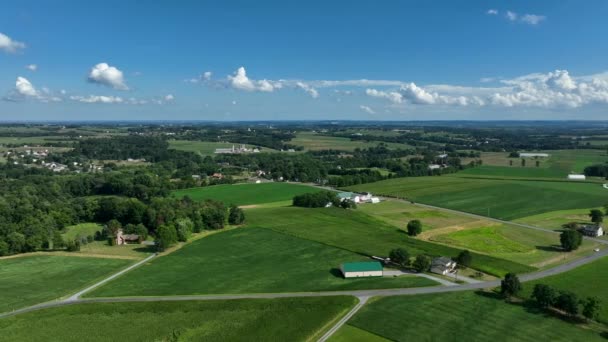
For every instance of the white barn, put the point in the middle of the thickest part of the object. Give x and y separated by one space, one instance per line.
577 177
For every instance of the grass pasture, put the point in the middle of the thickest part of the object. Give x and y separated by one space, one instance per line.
30 280
206 148
286 319
81 230
247 194
498 198
556 219
363 234
462 316
248 260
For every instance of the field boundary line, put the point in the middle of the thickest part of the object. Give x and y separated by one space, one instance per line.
341 322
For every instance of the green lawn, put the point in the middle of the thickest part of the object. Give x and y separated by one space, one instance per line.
587 280
34 279
247 194
361 233
248 260
556 219
462 316
81 230
504 199
349 333
286 319
515 171
205 148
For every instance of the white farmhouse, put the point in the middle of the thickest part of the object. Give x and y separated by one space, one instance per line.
443 265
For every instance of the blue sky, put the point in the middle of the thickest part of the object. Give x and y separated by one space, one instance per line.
245 60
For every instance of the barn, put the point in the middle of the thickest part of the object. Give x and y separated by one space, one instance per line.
361 269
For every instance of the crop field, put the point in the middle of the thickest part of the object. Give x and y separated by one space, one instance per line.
32 140
514 171
586 281
315 142
364 234
349 333
285 319
503 199
399 213
206 148
462 316
526 246
34 279
247 194
248 260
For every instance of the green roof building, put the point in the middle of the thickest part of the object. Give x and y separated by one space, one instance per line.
361 269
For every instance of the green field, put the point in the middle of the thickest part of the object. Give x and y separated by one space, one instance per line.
514 171
247 194
80 230
286 319
462 316
206 148
248 260
556 219
315 142
34 279
37 140
399 213
349 333
586 281
363 234
503 199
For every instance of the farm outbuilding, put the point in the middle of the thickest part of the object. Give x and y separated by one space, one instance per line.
361 269
577 177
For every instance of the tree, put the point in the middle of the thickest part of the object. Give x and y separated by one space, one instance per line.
523 162
537 163
400 257
184 228
422 263
236 215
414 227
73 246
567 302
570 240
591 307
57 240
544 295
166 236
3 248
464 258
113 227
596 215
510 163
348 204
510 286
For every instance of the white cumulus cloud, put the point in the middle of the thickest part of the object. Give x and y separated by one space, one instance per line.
511 15
532 19
240 81
9 45
31 67
169 97
25 88
492 11
367 109
392 96
107 75
97 99
308 89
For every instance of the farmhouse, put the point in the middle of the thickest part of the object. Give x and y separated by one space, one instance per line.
533 155
443 265
361 269
576 177
594 230
346 196
434 167
123 239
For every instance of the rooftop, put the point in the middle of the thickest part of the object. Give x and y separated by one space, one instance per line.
364 266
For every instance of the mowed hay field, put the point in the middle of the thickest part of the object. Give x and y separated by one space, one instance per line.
248 260
31 280
556 219
360 233
247 194
315 142
503 199
586 281
462 316
285 319
206 148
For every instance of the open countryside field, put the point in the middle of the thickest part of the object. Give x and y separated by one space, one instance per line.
81 230
363 234
315 142
248 260
246 194
556 219
286 319
585 281
462 316
30 280
503 199
206 148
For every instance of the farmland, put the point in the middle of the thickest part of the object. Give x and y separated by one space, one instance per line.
556 219
462 316
246 194
498 198
248 260
293 319
585 281
364 234
206 148
34 279
315 142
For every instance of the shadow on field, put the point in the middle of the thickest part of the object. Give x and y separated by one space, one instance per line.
552 248
336 272
145 249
